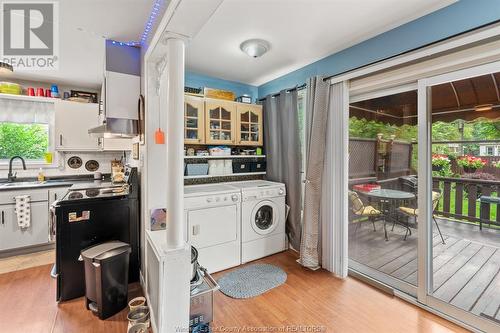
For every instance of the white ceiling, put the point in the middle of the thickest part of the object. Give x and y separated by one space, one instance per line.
83 27
300 32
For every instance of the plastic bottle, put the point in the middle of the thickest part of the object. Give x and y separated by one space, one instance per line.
41 176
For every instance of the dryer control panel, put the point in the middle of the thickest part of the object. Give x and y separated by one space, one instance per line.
262 193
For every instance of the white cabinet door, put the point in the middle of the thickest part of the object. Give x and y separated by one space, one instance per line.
12 237
122 92
73 120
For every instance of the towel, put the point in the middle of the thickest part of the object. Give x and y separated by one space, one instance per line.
23 210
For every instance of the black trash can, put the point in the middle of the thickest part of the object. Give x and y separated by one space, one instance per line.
106 277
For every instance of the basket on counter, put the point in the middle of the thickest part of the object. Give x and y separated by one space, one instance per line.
196 169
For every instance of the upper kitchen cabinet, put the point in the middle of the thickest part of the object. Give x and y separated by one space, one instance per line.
72 122
194 120
220 122
249 124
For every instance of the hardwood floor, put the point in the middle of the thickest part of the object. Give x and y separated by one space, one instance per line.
319 300
27 305
313 299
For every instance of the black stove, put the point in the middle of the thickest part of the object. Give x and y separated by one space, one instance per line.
90 214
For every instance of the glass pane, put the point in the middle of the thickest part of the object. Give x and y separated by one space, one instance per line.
215 113
255 128
245 128
255 137
264 217
214 124
191 134
226 125
245 136
214 135
254 118
465 177
382 192
225 114
225 135
245 117
192 123
31 141
191 111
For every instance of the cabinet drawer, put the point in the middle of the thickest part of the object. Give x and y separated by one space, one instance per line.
12 237
7 197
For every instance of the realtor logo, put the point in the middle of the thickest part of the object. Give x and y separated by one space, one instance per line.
30 35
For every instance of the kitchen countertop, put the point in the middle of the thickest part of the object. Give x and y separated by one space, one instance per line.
32 183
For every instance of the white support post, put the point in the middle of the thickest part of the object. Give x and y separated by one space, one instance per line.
177 265
175 143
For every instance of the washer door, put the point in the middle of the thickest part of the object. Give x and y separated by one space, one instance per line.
265 217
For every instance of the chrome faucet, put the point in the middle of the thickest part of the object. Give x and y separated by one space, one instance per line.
12 176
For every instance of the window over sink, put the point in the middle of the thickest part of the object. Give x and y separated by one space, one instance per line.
26 129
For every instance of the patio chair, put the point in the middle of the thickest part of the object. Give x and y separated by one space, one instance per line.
413 212
359 210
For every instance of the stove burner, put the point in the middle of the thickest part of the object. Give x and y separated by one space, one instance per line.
93 192
75 195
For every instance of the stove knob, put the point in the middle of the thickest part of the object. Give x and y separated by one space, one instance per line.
217 199
234 197
209 199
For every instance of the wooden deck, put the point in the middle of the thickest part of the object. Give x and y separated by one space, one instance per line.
466 271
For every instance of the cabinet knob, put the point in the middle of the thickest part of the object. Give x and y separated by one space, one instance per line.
60 140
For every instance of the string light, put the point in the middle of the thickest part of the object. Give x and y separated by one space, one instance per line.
155 11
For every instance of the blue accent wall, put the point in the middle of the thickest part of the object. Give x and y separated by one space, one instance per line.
446 22
199 80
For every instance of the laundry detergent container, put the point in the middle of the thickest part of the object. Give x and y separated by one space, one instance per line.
106 277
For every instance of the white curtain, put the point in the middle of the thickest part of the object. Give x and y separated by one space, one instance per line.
26 112
324 231
334 194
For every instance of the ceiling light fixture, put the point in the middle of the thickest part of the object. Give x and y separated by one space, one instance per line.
6 68
255 47
483 107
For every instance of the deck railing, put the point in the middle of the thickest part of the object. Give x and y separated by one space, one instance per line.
459 199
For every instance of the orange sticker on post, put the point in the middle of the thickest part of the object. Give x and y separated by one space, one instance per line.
159 137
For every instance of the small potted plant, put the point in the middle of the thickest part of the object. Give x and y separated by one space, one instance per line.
439 161
496 164
470 163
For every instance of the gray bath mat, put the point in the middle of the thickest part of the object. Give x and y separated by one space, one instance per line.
251 280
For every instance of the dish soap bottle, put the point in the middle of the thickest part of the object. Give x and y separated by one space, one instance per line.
41 176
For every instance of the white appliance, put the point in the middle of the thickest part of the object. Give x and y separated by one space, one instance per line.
263 216
212 214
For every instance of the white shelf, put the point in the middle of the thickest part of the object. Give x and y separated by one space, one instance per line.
222 157
29 98
228 175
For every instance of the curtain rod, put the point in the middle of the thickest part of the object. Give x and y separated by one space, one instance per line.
302 86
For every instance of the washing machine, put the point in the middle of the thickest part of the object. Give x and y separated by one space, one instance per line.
212 216
263 216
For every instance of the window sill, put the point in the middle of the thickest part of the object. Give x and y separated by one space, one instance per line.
29 166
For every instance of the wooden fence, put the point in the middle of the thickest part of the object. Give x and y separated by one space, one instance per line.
455 190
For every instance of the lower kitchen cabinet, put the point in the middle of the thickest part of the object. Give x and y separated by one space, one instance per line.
12 236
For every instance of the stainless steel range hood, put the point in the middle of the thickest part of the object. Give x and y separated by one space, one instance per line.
116 128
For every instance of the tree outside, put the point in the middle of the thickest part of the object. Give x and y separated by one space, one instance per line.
30 141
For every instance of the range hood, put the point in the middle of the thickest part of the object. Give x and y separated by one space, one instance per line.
116 128
118 108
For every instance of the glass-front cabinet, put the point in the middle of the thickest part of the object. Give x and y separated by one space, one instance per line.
220 122
249 124
194 120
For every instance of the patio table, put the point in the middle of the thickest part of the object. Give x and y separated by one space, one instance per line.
389 200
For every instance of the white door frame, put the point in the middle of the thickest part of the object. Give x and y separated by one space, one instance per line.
425 269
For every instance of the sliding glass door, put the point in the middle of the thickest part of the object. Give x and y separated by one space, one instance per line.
458 195
382 196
